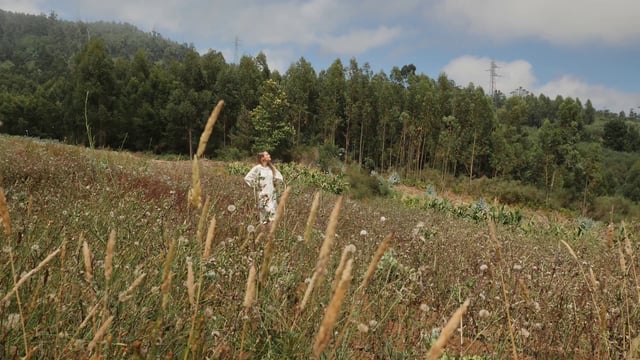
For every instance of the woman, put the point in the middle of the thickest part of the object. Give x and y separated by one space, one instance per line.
262 178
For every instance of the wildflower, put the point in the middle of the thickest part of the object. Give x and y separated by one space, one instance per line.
536 306
363 328
251 229
424 307
363 233
350 248
231 208
383 219
483 268
13 321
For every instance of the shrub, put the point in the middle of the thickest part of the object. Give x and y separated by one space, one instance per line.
618 207
364 185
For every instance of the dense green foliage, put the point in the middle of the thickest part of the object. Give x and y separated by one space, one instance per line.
110 85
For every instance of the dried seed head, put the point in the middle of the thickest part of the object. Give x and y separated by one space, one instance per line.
204 138
250 294
108 261
437 349
191 284
209 241
86 253
332 312
5 220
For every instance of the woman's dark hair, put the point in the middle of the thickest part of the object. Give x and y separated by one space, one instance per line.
273 168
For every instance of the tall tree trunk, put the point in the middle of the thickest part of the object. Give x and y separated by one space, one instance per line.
473 153
361 146
384 128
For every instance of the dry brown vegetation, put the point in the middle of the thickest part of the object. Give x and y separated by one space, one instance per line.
174 282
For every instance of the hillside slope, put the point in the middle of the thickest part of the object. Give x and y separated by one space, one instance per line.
62 197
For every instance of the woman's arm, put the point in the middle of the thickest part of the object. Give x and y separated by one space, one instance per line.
252 177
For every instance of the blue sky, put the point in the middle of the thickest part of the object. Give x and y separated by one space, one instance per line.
589 49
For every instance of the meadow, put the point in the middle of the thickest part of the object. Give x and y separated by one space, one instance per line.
105 256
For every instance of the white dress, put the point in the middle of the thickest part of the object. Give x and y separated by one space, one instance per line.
261 178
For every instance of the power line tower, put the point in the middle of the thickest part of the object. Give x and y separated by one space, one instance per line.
493 74
236 45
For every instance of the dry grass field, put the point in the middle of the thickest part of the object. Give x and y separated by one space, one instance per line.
104 256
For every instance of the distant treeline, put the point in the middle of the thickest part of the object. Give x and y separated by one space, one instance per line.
112 85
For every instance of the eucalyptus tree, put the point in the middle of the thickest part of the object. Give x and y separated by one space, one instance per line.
511 148
300 82
212 63
92 98
387 105
474 113
332 101
272 130
359 109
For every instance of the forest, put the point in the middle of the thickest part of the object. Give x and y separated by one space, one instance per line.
111 85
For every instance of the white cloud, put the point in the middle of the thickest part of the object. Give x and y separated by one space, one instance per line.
565 22
358 41
22 6
601 97
519 73
279 59
511 75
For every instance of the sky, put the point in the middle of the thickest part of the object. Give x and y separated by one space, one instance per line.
586 49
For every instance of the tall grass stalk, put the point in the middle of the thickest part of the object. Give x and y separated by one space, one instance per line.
165 287
108 270
100 333
438 348
195 192
323 256
194 295
5 219
84 323
498 248
332 311
269 247
312 217
23 328
346 253
204 138
249 300
373 265
628 249
599 309
28 275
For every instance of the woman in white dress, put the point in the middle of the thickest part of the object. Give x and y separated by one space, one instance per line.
262 178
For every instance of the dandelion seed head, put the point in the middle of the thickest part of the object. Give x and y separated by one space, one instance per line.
231 208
